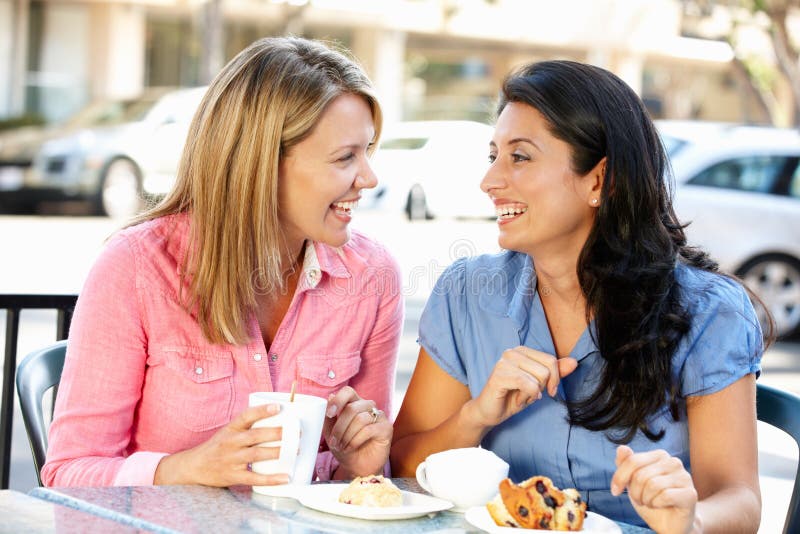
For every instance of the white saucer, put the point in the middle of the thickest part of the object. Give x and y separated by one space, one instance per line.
325 498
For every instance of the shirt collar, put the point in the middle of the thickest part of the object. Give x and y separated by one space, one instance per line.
510 287
513 295
319 258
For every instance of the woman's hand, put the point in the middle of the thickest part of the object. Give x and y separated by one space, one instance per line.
660 489
519 378
359 440
223 460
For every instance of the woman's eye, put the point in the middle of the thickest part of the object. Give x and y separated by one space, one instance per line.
519 157
492 157
347 157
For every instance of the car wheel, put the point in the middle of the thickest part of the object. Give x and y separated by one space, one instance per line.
417 204
776 280
121 190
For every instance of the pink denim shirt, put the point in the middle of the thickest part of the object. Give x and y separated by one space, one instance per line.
140 381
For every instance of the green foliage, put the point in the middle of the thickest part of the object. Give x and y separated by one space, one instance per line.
763 73
29 119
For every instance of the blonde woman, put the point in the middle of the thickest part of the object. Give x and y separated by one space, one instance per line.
245 278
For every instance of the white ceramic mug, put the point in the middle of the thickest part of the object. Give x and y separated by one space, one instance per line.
302 421
466 477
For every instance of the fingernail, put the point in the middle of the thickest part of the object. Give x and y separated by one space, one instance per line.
331 411
283 479
540 396
272 409
332 442
615 490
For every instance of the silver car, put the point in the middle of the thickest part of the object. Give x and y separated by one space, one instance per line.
129 153
739 187
432 169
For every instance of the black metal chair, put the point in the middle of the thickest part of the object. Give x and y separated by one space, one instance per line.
38 372
14 304
781 409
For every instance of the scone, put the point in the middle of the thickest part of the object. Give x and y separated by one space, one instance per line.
572 513
499 512
537 504
373 490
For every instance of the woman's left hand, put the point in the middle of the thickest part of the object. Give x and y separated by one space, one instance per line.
358 434
660 489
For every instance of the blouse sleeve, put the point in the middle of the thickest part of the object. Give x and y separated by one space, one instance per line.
101 382
442 320
724 343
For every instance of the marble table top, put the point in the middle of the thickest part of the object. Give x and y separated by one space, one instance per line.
190 509
23 513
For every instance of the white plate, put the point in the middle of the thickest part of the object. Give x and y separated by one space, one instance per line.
478 516
325 498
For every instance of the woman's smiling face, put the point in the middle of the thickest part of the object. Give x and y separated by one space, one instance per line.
542 204
322 176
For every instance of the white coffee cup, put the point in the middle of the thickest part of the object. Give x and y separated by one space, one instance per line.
302 421
466 477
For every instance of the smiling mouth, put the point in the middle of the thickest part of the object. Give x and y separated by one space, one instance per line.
509 211
344 208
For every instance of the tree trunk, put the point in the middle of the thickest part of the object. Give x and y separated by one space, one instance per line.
786 54
764 101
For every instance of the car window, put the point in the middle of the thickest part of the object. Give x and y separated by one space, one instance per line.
403 143
754 173
672 144
177 107
112 113
794 184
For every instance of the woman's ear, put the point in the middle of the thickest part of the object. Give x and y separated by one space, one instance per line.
594 183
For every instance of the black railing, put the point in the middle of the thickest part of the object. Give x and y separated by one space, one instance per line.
13 305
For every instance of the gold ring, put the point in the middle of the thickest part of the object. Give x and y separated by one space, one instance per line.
375 413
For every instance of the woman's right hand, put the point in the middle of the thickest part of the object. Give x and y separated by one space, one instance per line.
518 379
223 460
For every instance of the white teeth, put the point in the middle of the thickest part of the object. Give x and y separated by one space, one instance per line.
346 206
508 211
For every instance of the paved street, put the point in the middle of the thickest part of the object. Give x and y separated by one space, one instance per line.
53 254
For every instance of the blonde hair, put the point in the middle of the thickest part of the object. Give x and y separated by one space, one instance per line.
262 103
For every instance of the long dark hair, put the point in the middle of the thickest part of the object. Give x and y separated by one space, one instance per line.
626 267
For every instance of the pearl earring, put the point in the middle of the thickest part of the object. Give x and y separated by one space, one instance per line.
594 202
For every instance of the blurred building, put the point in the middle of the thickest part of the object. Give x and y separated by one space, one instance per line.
428 58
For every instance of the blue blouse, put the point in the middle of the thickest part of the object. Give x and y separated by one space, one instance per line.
484 305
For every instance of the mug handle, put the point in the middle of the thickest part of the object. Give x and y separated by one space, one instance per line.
422 478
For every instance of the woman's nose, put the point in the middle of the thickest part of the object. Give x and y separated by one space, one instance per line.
366 178
492 179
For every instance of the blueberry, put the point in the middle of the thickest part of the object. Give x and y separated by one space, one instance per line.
523 512
570 516
540 486
550 502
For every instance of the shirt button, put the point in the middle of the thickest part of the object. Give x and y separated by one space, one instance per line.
273 357
198 370
331 374
257 357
